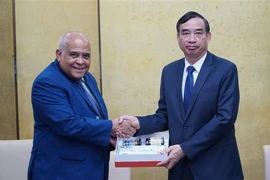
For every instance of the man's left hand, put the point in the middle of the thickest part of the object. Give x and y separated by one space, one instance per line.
113 139
175 153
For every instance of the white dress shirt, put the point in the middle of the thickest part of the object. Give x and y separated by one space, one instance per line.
197 66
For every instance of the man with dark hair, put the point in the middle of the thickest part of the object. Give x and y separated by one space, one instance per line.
199 99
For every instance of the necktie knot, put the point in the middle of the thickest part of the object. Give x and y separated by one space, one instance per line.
190 69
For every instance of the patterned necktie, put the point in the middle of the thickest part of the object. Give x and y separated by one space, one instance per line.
90 96
188 86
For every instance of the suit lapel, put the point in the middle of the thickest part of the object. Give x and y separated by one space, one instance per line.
97 96
179 96
78 86
202 76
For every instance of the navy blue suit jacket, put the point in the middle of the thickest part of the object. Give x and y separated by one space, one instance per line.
71 139
206 131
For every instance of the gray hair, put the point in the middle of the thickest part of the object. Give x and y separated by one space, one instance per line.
65 38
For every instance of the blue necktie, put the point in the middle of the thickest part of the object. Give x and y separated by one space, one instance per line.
90 96
188 86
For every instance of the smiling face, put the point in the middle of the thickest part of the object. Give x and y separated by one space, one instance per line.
193 39
74 56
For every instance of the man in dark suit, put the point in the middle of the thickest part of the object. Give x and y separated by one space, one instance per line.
199 99
72 133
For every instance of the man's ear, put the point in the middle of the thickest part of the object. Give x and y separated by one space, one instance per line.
58 54
178 38
209 35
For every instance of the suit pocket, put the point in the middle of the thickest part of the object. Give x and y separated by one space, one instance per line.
72 164
72 155
207 96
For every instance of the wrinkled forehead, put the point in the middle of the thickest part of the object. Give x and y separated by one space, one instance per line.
78 44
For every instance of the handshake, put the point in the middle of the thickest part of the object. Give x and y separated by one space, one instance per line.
125 126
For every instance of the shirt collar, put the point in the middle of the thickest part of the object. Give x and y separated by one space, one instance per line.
198 64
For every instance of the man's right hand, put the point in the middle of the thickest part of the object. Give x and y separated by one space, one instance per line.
130 119
125 126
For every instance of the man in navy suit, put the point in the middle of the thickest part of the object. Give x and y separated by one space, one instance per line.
202 132
72 133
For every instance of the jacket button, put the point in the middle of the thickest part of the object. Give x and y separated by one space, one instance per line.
97 117
185 127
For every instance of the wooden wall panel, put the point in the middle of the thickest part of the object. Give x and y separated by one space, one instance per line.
8 129
39 26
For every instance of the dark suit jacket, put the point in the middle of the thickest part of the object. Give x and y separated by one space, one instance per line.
206 131
71 139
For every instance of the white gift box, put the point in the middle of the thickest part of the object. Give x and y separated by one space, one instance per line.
141 151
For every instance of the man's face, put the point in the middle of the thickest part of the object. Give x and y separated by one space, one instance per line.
193 39
75 58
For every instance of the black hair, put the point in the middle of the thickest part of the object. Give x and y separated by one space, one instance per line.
189 15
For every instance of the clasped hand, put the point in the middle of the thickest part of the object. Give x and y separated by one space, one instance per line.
125 126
